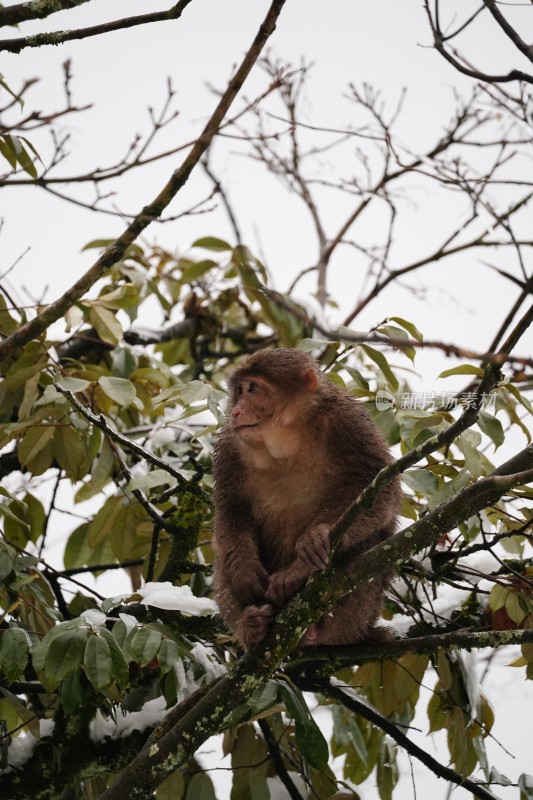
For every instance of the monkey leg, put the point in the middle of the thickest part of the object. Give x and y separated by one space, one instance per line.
313 548
312 554
352 620
253 624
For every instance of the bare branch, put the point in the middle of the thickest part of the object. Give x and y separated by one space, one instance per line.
59 37
153 211
35 9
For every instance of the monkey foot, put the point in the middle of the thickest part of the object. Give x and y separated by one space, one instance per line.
253 625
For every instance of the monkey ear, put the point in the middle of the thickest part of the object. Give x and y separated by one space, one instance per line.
310 379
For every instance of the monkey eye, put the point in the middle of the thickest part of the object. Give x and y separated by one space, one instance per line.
239 390
252 386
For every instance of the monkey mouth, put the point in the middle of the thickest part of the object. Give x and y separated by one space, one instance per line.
246 427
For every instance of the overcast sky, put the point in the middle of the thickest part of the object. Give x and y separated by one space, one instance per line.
383 42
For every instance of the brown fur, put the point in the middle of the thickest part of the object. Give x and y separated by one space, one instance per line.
295 452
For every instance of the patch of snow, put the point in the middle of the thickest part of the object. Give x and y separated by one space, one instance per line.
205 656
176 598
150 714
21 748
93 617
129 621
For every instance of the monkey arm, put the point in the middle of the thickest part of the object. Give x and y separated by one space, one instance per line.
312 554
313 547
241 581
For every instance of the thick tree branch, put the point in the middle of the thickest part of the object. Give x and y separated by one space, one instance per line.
219 708
58 37
325 589
469 416
35 9
325 660
153 211
348 698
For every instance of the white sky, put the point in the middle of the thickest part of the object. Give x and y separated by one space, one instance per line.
385 43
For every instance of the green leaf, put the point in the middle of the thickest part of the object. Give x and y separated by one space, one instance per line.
307 345
7 560
98 662
30 363
201 788
172 788
464 369
387 770
105 324
100 474
167 655
69 451
120 390
14 510
424 424
145 645
191 392
398 334
65 652
197 269
382 363
264 697
498 596
492 427
97 244
514 608
520 397
121 670
409 327
124 296
420 481
212 243
103 524
13 149
309 737
14 649
36 448
356 738
70 693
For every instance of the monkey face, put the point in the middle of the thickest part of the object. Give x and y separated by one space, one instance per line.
254 405
264 417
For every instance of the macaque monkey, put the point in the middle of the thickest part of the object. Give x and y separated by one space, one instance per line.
295 452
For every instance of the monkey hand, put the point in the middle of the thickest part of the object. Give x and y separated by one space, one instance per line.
251 584
313 549
253 624
284 584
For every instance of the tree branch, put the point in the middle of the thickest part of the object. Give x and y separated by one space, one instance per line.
348 698
325 660
455 61
153 211
275 755
59 37
128 444
215 711
35 9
